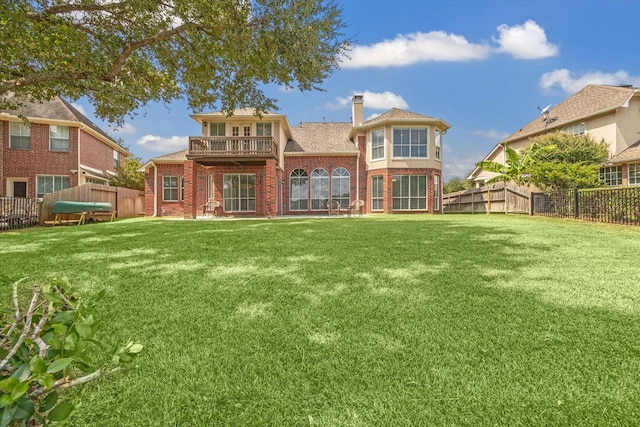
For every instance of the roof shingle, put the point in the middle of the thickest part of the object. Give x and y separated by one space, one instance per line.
320 138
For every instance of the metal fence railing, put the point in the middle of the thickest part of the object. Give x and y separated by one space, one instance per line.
610 205
18 212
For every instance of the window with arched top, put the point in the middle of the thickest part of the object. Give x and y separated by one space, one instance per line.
341 186
299 190
319 189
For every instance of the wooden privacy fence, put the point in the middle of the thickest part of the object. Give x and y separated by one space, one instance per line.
500 197
126 201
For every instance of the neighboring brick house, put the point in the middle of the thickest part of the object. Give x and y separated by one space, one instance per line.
609 113
261 166
57 148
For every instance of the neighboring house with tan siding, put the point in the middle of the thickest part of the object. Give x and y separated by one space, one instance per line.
262 166
57 148
609 113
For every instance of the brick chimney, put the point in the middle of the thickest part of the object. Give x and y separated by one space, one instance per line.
357 114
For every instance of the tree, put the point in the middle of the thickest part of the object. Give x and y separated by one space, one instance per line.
516 167
574 161
456 184
122 54
128 175
45 346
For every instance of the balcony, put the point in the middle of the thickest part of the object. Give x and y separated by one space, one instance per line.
219 150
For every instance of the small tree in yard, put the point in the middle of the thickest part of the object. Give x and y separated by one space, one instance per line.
45 347
573 162
456 184
128 175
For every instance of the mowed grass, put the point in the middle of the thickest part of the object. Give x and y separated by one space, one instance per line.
385 321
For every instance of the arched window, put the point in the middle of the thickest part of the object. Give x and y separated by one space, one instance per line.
299 190
319 189
340 186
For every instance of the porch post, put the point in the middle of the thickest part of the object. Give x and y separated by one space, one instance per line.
190 190
270 182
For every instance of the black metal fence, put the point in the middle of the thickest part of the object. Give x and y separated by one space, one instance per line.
18 212
611 205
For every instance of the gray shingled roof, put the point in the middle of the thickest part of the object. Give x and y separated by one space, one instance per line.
320 138
56 109
397 114
590 101
179 156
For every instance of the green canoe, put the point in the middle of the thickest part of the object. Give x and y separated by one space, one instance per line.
77 207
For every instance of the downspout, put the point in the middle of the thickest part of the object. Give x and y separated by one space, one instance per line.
358 173
78 173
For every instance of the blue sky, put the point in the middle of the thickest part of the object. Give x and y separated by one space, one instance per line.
483 66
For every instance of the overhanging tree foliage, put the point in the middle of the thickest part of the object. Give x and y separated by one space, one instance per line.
122 54
574 161
127 175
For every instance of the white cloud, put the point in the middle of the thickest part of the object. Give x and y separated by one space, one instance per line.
160 144
459 166
492 134
526 41
415 48
125 129
373 100
570 84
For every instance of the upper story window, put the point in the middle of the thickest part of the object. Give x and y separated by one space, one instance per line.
58 138
19 136
575 130
243 130
263 129
116 159
438 154
377 144
216 129
410 142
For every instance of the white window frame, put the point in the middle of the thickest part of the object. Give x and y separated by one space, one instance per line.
377 144
319 188
576 129
264 129
171 187
611 175
116 159
438 144
21 131
436 192
58 183
220 129
246 202
410 144
300 176
633 174
57 137
377 193
411 199
341 183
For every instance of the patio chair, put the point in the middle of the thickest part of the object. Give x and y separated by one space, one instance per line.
211 207
356 207
333 207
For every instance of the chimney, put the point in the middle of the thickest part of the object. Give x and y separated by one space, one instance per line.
358 110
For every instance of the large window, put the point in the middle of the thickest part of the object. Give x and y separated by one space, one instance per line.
611 175
377 144
634 174
58 138
216 129
340 186
19 136
410 192
319 189
377 193
438 154
172 188
46 184
239 193
299 190
410 142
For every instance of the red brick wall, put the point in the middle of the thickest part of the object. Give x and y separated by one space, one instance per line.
3 143
38 160
330 163
96 154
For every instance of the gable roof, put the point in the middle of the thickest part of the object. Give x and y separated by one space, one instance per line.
58 109
591 101
397 114
321 138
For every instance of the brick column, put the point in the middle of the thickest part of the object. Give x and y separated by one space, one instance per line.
270 182
190 190
388 192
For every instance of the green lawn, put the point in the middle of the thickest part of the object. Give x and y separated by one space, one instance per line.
396 320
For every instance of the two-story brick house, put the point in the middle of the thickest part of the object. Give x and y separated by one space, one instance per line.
262 166
56 148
